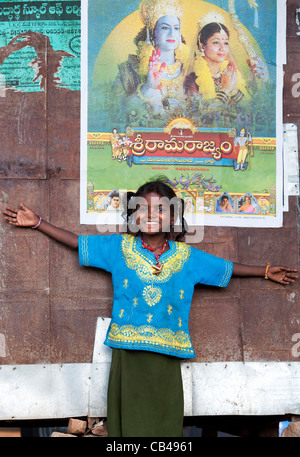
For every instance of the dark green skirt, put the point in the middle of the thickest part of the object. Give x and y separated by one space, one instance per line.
145 395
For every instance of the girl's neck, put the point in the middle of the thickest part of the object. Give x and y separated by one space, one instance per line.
154 241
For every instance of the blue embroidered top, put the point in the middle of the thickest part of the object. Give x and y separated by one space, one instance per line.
151 312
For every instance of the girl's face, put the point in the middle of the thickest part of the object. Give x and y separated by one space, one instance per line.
217 47
167 33
153 214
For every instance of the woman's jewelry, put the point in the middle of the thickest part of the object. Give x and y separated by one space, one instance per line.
266 272
237 95
218 75
38 224
222 95
157 267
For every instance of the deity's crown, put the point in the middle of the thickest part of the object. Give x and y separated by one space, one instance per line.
212 16
152 10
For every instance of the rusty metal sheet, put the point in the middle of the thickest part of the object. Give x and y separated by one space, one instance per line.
63 126
23 125
215 327
50 305
24 327
270 319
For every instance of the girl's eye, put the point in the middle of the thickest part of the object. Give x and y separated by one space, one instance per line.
163 209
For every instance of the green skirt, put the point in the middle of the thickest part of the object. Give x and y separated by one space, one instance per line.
145 395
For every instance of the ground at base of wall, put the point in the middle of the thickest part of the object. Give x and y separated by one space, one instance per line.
196 426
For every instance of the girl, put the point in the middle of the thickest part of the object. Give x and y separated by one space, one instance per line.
153 275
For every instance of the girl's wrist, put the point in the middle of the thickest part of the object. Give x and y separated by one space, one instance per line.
266 271
38 223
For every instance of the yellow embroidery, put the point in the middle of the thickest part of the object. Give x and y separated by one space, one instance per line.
227 274
125 283
181 292
152 295
139 261
149 317
135 301
148 336
170 309
84 250
179 322
121 313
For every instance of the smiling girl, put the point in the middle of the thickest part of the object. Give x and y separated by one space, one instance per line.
154 273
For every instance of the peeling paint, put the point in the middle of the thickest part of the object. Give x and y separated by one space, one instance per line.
291 297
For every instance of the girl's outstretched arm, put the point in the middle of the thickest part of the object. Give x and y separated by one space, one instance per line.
280 274
25 217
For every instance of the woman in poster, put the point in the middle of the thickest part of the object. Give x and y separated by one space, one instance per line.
224 205
155 75
215 75
247 207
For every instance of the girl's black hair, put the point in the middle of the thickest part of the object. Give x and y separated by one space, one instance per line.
208 31
160 187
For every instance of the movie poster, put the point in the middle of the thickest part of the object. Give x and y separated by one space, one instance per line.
188 90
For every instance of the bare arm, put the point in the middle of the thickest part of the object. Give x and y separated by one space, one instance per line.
63 236
280 274
25 217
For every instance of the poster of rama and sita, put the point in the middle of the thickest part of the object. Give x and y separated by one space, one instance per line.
189 90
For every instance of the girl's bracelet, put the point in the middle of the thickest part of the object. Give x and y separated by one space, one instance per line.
38 224
266 272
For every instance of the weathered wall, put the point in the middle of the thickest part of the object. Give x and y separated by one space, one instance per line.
49 305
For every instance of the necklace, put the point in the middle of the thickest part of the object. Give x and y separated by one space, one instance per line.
156 267
174 67
173 70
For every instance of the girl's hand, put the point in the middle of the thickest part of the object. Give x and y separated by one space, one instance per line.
23 217
229 77
283 275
